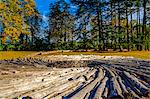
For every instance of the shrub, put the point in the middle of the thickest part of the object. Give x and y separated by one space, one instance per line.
10 47
1 47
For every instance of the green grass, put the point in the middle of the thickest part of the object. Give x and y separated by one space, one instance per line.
14 54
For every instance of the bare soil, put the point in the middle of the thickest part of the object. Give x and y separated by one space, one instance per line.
75 77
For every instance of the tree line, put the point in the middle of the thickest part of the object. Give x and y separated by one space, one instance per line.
78 24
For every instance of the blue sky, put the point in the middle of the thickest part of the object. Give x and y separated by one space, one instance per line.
43 5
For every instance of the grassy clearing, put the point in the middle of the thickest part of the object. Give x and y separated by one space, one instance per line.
21 54
136 54
14 54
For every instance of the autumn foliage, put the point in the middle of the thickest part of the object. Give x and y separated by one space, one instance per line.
13 18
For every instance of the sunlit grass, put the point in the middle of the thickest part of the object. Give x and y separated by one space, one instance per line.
14 54
21 54
136 54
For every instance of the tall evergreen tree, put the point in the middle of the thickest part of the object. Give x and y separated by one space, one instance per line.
60 23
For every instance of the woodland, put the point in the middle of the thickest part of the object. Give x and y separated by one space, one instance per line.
76 24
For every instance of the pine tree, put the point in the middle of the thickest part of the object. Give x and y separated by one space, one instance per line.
60 23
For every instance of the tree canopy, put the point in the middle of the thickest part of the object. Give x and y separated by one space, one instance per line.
77 24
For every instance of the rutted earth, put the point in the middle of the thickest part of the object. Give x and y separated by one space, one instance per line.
75 77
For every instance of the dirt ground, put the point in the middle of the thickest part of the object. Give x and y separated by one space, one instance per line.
75 77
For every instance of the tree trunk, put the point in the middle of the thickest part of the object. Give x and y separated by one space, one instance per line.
72 37
111 5
127 26
144 24
26 39
132 36
99 26
119 26
101 22
115 27
137 28
139 16
32 35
